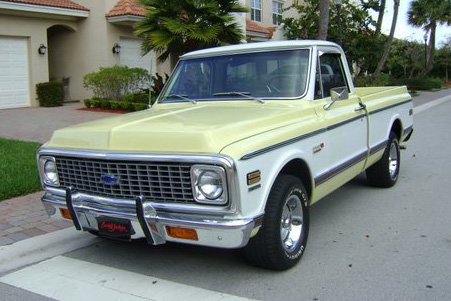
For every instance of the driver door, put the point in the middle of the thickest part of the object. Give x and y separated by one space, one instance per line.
345 122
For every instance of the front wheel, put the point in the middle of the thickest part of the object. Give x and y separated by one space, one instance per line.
385 172
281 240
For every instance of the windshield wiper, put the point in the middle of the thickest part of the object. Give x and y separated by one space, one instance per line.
184 97
244 94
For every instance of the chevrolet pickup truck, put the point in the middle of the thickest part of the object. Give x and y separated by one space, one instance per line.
241 142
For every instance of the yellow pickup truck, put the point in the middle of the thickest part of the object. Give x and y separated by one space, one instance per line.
241 142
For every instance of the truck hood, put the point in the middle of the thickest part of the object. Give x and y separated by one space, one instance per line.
177 128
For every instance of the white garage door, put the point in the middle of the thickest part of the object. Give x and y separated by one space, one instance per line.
130 55
14 82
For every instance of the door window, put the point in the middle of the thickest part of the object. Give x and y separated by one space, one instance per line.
330 74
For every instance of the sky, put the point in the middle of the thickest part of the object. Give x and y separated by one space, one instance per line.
406 31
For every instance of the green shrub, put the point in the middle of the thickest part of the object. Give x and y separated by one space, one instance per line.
127 97
123 105
105 104
87 103
130 106
114 82
140 97
95 103
423 84
50 94
372 80
140 106
115 105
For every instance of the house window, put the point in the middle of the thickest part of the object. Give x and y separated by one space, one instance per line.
276 12
256 10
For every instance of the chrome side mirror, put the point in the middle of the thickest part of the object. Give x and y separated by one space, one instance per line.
336 94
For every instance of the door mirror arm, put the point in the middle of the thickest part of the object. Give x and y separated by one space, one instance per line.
336 94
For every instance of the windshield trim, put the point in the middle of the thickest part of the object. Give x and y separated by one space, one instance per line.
160 99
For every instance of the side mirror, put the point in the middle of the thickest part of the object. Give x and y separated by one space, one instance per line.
336 94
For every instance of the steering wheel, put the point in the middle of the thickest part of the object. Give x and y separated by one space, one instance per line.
278 83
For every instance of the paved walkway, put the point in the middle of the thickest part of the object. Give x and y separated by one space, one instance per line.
25 217
38 124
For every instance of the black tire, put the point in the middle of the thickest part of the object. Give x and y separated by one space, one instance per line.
286 221
385 172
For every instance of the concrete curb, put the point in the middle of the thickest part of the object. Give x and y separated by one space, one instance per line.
42 247
431 104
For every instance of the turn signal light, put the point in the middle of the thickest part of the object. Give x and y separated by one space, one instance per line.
183 233
65 213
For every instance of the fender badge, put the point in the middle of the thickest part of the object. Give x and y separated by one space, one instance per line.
318 148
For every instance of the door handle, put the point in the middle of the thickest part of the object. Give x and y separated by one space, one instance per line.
360 107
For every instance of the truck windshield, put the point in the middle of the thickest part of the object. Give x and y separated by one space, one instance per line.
251 76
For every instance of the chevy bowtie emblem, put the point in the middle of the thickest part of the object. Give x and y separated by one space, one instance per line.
109 179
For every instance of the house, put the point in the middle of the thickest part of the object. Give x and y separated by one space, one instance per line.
41 40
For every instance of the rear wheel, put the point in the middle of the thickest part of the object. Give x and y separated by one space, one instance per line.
282 238
385 172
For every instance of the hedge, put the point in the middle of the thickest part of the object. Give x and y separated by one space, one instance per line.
115 105
372 80
423 84
50 94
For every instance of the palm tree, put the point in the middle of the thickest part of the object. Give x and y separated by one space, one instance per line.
323 19
428 14
380 17
387 45
174 27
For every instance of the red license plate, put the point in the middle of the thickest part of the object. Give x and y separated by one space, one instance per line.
114 227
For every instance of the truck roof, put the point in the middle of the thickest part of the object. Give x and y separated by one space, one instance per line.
273 45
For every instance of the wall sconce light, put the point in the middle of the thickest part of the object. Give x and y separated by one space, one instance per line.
116 48
42 49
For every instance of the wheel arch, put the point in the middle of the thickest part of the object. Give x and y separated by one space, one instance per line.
300 169
397 128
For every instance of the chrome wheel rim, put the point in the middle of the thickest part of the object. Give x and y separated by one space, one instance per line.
291 223
393 160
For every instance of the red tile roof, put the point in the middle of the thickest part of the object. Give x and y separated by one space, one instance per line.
127 8
52 3
255 27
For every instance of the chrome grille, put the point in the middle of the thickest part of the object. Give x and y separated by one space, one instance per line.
163 182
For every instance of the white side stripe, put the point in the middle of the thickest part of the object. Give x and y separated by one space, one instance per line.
66 279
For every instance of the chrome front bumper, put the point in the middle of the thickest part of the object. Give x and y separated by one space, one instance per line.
150 223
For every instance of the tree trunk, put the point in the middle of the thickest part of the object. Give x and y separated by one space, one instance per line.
389 42
431 49
323 19
380 18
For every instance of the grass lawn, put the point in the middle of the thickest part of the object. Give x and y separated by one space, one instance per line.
18 168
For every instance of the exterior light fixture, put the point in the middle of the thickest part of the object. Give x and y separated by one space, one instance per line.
42 49
116 48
